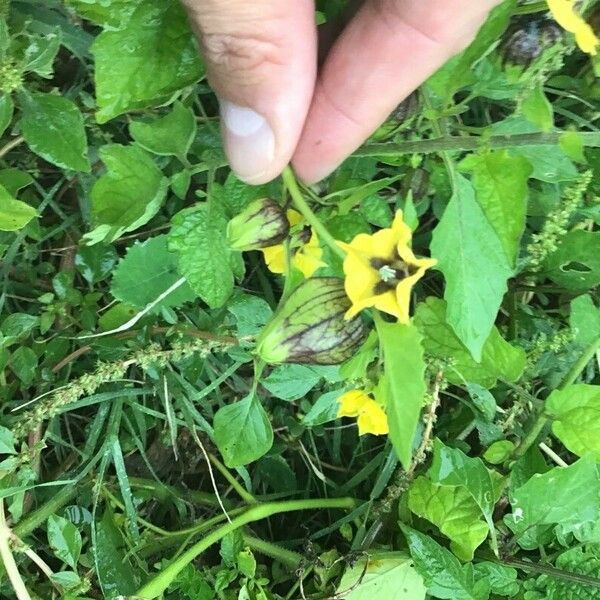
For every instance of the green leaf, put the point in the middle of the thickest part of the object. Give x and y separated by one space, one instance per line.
498 360
6 112
243 432
387 575
474 264
14 180
403 384
95 263
128 195
144 62
453 510
108 13
291 382
575 412
172 134
324 410
537 109
7 441
147 271
443 574
42 50
235 195
24 362
204 258
246 563
585 320
503 580
53 128
575 497
64 539
251 314
14 214
451 466
500 182
576 263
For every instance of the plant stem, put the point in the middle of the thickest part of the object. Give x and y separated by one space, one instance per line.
9 560
300 203
158 584
10 145
287 557
241 492
568 380
471 143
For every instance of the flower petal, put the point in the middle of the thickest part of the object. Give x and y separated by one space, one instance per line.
351 403
372 420
388 303
275 258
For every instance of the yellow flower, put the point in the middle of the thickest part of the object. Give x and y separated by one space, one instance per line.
371 418
381 270
565 15
306 258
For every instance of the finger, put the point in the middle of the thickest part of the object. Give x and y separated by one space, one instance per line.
386 52
261 62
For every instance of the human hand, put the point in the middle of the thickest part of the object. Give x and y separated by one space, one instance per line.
261 57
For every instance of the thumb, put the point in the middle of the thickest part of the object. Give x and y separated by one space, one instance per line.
261 62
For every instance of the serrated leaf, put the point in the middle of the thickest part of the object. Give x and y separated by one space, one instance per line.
64 539
575 412
14 214
474 264
172 134
148 270
500 181
403 384
388 575
453 510
498 360
502 579
242 432
443 574
53 128
143 63
204 257
128 195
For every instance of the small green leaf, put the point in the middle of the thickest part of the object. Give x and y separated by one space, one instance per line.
502 579
204 258
386 575
474 263
403 384
291 382
585 320
95 263
42 50
498 359
251 314
324 410
575 411
453 510
64 539
243 432
24 362
443 574
14 214
7 441
499 451
128 195
6 112
146 60
571 143
14 180
537 109
53 128
500 181
147 271
172 134
246 563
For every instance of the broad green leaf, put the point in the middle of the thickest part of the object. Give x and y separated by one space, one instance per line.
172 134
42 50
243 432
251 314
537 109
108 13
291 382
53 128
128 195
147 271
502 579
453 510
7 441
95 263
403 384
576 263
24 362
143 63
472 259
14 180
64 539
6 112
500 182
451 466
575 411
585 320
498 360
324 410
574 498
578 561
443 574
388 575
204 257
14 214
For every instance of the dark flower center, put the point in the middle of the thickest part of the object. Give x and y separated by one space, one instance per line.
391 272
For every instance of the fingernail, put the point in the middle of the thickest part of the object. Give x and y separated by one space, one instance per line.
249 141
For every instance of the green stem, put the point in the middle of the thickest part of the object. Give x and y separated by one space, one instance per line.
570 378
9 560
158 584
284 556
300 203
471 143
241 492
